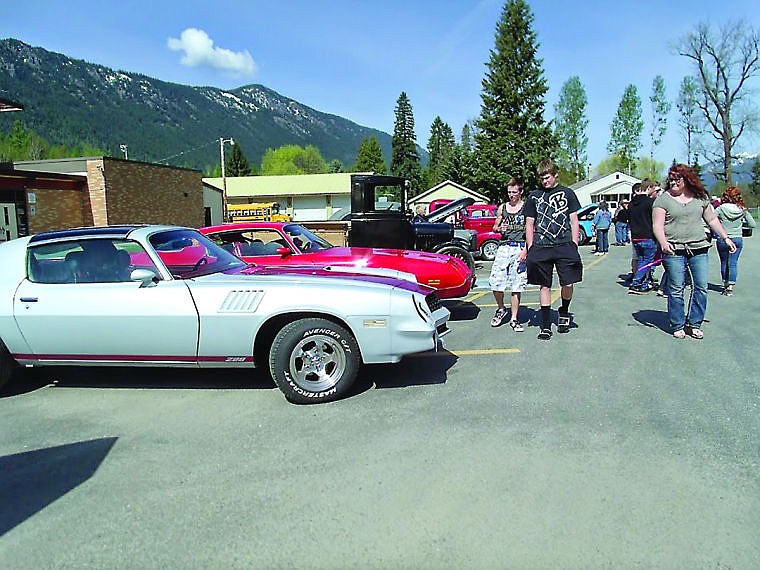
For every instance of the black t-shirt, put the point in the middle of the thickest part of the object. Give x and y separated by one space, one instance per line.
551 209
640 217
512 225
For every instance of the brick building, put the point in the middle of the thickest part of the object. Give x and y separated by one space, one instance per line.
46 195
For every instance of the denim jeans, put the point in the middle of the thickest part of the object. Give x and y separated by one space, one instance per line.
621 233
729 262
603 240
676 267
645 250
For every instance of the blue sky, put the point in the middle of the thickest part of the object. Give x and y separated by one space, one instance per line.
354 58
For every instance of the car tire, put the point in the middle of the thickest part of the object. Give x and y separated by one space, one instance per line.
335 361
488 250
8 365
459 253
582 237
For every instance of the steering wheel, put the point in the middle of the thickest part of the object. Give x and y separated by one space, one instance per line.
202 261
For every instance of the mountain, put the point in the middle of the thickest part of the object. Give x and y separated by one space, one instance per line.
69 101
741 169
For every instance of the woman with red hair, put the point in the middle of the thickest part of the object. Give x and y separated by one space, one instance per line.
731 213
677 217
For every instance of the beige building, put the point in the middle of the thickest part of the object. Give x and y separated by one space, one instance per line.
613 188
50 195
446 190
305 197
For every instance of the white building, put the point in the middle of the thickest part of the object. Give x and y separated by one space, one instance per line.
612 188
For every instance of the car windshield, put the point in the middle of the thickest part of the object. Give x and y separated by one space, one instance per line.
304 240
187 253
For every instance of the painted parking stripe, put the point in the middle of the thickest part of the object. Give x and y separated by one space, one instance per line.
485 351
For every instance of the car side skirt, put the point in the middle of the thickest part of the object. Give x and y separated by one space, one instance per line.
133 360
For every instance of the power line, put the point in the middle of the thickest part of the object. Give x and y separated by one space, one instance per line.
163 160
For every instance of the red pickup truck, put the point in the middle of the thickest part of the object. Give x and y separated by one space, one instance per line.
478 217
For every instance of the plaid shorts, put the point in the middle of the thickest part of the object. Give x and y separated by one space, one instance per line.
507 271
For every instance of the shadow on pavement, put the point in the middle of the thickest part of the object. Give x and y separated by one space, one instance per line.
462 310
135 377
651 318
32 480
416 370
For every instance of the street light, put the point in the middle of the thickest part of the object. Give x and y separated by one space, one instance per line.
222 140
123 148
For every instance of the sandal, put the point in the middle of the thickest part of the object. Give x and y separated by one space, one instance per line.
696 333
545 334
563 324
680 333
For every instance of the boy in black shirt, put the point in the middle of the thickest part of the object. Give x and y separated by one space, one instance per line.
551 236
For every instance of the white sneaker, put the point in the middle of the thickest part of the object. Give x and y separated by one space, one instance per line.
498 317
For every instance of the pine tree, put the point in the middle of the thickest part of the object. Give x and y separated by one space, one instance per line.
440 146
370 157
512 136
405 162
626 129
754 186
570 124
236 163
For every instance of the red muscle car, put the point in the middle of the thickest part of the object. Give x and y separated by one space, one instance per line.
288 244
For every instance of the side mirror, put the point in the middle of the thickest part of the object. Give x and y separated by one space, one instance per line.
145 276
283 251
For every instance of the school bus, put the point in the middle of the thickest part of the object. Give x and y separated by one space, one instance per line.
257 212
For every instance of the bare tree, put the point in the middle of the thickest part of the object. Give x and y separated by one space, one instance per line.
689 118
725 61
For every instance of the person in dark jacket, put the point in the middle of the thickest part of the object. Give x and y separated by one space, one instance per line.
621 224
642 236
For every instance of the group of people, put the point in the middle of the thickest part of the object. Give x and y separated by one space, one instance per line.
541 233
675 227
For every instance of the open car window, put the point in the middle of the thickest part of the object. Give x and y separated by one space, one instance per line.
86 261
304 240
187 254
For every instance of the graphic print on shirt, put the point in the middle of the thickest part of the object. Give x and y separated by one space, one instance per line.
553 215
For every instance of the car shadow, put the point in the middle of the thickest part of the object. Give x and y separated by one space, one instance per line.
461 310
421 369
25 381
32 480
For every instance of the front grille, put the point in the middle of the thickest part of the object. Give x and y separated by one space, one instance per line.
433 302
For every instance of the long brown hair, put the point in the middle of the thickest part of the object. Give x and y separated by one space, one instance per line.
691 180
732 195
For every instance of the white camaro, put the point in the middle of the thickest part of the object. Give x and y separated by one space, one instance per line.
168 296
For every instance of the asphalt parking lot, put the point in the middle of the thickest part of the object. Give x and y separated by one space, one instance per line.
614 446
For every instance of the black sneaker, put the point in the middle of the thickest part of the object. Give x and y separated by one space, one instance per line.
563 324
638 291
545 334
498 317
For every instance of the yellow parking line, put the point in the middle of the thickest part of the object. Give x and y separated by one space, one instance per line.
475 296
485 351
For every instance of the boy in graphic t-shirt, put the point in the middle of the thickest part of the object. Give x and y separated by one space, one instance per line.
551 236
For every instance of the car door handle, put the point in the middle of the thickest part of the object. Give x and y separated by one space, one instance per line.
28 299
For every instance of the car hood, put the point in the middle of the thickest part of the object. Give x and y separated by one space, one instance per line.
300 275
444 212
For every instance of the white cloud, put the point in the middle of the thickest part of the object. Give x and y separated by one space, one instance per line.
199 51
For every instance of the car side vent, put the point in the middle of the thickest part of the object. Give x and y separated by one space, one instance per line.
433 302
241 301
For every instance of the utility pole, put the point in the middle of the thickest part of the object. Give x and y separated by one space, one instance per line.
222 140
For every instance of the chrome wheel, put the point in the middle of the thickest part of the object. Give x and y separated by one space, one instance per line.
317 363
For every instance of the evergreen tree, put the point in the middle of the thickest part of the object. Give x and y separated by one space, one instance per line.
335 165
754 185
370 157
440 146
512 136
570 124
236 163
660 109
405 162
626 128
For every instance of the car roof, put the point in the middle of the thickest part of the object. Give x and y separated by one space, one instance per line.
113 232
242 226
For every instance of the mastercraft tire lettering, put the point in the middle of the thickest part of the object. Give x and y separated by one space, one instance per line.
313 360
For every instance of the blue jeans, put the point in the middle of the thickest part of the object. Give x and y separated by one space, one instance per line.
603 240
645 250
621 233
676 267
729 262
